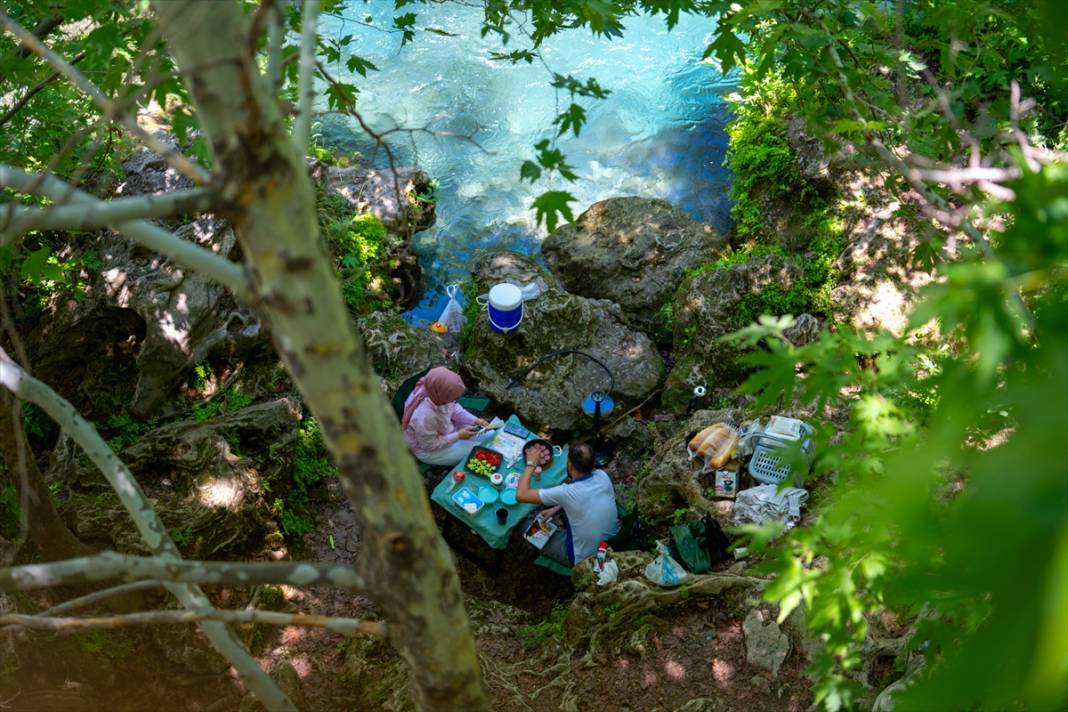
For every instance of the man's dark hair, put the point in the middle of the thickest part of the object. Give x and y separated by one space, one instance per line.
580 455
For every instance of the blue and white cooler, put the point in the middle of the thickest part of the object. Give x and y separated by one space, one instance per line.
505 307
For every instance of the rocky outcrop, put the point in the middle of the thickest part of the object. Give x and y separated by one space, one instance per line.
766 645
398 350
551 395
401 200
207 480
632 251
707 307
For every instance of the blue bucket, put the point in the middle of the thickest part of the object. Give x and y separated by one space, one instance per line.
505 307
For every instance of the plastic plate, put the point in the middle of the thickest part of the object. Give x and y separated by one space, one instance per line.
488 494
508 496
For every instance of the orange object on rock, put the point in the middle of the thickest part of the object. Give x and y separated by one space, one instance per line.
438 328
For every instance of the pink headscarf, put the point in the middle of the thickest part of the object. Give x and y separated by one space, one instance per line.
439 384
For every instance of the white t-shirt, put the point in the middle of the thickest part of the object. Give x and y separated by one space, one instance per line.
590 505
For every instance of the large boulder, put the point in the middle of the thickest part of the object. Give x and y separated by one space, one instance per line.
174 316
401 199
766 645
710 305
551 395
208 481
398 350
632 251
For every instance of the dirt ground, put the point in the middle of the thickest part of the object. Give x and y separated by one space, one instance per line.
694 652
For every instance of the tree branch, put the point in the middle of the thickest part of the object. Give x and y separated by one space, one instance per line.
91 598
195 173
306 84
275 41
148 523
342 626
85 215
111 565
216 267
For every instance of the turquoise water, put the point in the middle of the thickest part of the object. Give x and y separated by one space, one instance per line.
660 133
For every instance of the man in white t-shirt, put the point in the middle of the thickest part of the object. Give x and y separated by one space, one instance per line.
588 501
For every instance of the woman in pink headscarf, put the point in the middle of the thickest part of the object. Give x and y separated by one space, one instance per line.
437 428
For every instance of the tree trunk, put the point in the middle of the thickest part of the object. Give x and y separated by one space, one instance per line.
48 533
408 568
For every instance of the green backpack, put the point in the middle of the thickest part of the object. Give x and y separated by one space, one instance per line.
699 545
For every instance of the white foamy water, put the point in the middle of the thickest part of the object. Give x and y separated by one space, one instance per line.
660 133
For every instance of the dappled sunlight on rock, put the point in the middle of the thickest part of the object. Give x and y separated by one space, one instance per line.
221 492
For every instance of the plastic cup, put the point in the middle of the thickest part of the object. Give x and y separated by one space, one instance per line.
502 516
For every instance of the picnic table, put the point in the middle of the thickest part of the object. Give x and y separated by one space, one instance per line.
484 523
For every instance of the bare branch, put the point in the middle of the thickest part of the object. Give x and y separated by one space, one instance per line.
195 173
206 262
90 599
341 626
148 523
111 565
85 215
306 75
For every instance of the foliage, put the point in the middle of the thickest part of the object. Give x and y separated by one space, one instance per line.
361 254
10 509
310 467
550 629
125 430
899 530
99 642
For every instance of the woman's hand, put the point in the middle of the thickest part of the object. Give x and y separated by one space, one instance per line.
482 422
467 433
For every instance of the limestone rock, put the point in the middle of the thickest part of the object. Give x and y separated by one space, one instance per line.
146 172
804 330
391 196
207 481
632 251
766 646
706 308
175 315
551 395
398 351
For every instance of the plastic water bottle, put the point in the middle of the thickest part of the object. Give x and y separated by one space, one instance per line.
602 555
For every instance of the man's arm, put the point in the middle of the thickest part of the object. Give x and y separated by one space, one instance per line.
523 492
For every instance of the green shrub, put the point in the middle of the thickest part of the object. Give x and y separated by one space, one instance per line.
361 254
310 467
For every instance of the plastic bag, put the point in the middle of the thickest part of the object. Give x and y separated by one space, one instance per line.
664 570
767 503
714 446
607 575
452 316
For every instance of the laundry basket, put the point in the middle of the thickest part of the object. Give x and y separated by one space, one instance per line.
768 466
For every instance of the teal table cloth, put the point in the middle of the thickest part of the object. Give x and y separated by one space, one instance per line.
484 523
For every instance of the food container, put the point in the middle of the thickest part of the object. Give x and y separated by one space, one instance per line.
496 479
492 457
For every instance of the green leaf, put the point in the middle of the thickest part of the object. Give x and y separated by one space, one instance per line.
552 203
360 65
529 171
572 118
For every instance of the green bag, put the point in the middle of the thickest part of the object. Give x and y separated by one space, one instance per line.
688 542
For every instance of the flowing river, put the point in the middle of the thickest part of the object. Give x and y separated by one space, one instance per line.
660 133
